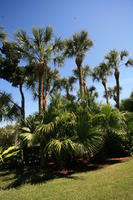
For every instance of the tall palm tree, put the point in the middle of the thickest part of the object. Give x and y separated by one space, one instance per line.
86 71
77 47
100 73
40 50
115 60
68 85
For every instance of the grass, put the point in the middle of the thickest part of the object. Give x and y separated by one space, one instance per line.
113 182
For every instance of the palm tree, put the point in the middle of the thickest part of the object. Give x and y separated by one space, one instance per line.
68 85
39 50
112 93
77 47
100 73
86 71
115 60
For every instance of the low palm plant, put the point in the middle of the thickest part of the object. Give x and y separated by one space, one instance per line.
114 129
58 136
89 130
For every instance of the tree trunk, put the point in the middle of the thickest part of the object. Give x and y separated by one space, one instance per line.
79 60
22 102
41 68
106 91
84 86
45 98
40 95
116 74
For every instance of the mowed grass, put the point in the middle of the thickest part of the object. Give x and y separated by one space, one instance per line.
114 182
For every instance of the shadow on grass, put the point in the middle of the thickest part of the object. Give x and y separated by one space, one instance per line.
34 175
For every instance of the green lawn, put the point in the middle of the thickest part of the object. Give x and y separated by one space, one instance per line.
114 182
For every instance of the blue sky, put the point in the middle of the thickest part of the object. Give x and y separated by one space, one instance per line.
108 22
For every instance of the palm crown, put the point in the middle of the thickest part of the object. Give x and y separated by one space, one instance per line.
78 45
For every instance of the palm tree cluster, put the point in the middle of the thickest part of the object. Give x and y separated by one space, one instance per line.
66 126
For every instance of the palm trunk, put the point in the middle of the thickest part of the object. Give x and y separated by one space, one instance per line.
45 98
41 68
106 91
22 102
116 74
40 94
79 60
81 81
84 86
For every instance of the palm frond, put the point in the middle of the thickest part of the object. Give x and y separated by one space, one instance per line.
48 34
129 62
123 54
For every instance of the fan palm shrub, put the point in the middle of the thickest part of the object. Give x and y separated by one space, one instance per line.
89 129
114 129
57 136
